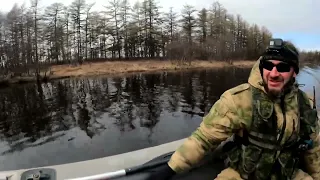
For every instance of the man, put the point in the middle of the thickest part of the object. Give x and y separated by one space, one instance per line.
276 129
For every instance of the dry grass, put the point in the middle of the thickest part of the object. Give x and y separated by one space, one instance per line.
123 67
120 68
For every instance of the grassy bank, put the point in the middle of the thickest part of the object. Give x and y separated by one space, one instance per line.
119 68
123 67
7 81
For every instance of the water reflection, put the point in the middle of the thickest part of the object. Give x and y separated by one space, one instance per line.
79 119
309 77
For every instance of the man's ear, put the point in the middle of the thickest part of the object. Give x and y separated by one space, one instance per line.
294 74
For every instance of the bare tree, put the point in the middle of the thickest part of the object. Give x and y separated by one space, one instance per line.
188 22
54 17
125 16
34 7
31 38
113 10
77 10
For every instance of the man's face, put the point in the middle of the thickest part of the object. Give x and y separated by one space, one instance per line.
276 78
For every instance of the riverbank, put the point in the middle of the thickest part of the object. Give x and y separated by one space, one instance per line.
121 68
115 68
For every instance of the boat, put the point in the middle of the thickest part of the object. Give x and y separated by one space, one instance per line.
134 165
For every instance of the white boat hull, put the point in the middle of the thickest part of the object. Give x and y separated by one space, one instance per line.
101 165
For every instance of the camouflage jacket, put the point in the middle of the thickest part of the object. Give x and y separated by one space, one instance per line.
231 114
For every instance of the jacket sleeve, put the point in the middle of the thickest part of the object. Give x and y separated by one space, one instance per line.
217 126
312 156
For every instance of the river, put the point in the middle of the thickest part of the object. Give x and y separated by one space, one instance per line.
80 119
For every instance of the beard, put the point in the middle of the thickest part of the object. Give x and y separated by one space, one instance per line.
278 92
274 93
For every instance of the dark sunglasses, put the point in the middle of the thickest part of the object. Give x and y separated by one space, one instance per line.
281 67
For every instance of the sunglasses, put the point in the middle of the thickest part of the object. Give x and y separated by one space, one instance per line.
281 67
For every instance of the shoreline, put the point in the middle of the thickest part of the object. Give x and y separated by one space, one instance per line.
123 68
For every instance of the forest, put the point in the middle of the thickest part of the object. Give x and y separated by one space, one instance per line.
34 38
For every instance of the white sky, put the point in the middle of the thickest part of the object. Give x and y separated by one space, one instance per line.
296 20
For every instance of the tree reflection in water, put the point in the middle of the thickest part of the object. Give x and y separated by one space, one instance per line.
116 115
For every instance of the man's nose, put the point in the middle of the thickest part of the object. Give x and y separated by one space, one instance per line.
274 72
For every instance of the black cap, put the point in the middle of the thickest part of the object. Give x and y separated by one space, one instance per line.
282 51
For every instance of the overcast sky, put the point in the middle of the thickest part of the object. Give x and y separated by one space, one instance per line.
297 21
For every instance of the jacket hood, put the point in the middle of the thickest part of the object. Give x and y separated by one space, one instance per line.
255 79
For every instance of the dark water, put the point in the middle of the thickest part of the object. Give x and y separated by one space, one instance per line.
80 119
